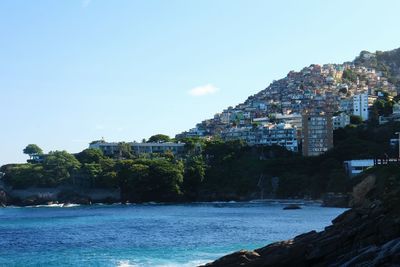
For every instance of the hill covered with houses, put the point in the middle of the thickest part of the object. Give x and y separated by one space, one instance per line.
328 87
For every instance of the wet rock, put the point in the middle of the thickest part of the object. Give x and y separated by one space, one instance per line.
292 207
239 258
364 236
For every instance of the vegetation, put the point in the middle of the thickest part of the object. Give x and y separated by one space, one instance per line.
354 119
209 170
159 138
349 75
381 107
32 150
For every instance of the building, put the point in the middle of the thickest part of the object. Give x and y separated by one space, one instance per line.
357 166
292 119
340 121
346 105
269 134
317 133
394 117
112 149
360 106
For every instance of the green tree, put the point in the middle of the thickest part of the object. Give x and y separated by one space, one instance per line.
159 138
21 176
61 166
165 179
124 150
349 75
133 180
193 145
195 169
156 179
32 150
90 155
90 172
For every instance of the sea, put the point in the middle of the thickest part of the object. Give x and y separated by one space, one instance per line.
151 234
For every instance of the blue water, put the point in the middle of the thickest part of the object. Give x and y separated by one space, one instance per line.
147 235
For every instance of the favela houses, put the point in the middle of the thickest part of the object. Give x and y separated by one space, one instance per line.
200 133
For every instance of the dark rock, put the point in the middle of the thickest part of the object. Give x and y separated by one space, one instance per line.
292 207
236 259
367 235
335 200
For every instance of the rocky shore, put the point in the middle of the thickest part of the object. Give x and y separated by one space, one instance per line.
366 235
48 196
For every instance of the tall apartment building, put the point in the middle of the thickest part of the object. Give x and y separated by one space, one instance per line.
317 133
360 106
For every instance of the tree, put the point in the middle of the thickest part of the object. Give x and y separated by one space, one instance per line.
156 179
349 75
60 165
159 138
33 150
195 170
90 155
125 150
193 145
354 119
22 176
133 180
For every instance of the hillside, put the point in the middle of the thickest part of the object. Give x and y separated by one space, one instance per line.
330 85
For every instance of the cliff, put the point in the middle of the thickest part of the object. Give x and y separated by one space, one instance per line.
366 235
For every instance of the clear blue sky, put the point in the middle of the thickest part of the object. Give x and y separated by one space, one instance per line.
73 71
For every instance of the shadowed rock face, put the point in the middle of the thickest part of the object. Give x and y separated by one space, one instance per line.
364 236
358 237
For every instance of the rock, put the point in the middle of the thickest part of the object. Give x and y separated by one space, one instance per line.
236 259
3 198
368 235
335 200
292 207
361 190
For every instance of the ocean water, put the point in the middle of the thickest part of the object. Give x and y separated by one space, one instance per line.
148 234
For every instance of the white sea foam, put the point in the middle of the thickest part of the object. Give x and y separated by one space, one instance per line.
58 205
127 263
186 264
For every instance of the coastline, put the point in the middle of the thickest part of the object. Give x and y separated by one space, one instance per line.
280 201
64 196
368 234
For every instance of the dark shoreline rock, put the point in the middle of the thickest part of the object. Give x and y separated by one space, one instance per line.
358 237
292 207
366 235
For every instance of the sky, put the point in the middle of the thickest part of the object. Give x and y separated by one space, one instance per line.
74 71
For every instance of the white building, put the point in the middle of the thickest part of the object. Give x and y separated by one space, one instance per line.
269 134
360 106
357 166
340 121
112 149
292 119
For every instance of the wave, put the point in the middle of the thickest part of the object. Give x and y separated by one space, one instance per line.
58 205
127 263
